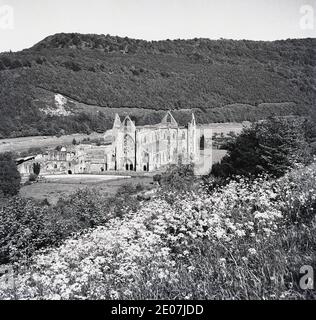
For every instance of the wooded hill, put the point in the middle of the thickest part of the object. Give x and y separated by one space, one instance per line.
221 80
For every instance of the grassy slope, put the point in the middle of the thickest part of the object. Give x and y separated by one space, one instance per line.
247 240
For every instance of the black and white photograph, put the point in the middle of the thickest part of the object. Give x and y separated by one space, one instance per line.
157 150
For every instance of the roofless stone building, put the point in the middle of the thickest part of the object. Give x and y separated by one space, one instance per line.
149 147
128 148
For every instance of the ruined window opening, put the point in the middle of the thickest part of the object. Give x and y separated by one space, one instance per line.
202 143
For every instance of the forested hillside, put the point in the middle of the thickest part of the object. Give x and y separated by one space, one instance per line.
97 75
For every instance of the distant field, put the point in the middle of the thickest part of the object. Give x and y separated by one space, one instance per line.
24 143
225 127
52 191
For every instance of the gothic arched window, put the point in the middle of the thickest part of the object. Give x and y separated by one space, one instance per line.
129 146
202 143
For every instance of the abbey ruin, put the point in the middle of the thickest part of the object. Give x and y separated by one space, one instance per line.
128 148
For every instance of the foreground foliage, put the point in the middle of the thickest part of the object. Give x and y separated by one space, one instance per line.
244 240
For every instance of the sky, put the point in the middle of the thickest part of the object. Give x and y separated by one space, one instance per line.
25 22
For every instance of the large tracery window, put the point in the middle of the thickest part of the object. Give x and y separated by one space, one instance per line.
129 146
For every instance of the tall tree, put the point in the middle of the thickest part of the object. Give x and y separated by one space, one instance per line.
36 168
271 146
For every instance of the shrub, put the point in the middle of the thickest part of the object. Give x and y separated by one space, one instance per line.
81 210
139 187
10 178
178 177
33 177
124 200
157 178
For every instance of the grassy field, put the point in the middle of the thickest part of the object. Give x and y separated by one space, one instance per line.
54 190
25 143
226 127
82 178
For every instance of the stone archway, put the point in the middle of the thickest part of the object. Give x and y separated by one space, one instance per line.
145 160
128 165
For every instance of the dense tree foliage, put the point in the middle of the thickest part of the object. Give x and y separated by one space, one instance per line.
221 80
9 175
23 229
27 225
271 146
